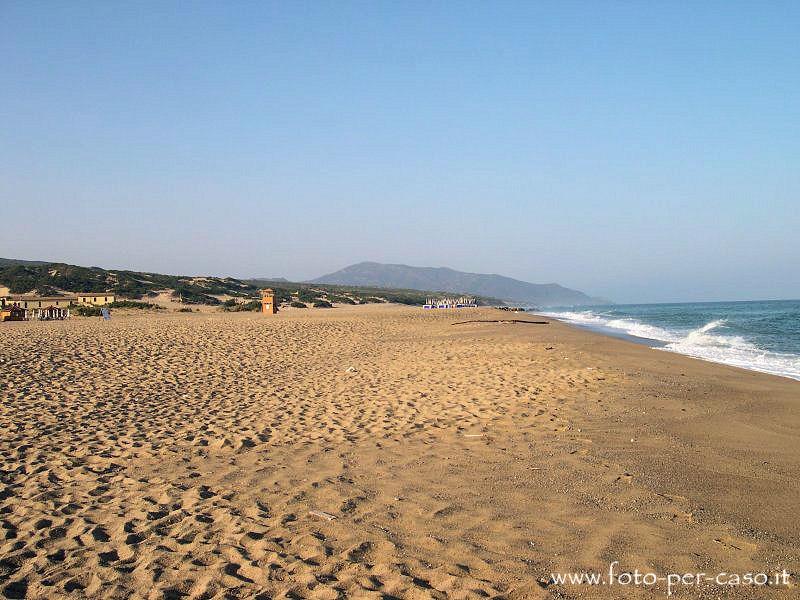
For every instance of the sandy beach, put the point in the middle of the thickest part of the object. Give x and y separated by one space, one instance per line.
382 452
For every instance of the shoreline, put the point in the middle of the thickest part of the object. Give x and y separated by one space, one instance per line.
664 345
614 333
467 460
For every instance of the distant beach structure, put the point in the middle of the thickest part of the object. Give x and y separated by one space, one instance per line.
95 299
48 308
15 312
12 312
31 302
450 302
268 306
40 308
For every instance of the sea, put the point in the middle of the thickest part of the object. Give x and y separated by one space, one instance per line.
758 335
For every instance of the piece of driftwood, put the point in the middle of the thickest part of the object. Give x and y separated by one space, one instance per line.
322 515
502 321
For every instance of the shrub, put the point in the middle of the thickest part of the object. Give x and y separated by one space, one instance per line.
308 296
185 309
233 306
405 298
87 310
253 305
135 304
282 295
190 294
322 304
297 304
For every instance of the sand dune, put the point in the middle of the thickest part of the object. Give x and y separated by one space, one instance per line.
378 452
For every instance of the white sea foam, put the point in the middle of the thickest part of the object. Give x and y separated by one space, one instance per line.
708 342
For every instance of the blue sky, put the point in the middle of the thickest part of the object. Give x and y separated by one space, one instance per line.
641 151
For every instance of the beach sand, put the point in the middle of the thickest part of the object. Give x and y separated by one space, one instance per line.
381 452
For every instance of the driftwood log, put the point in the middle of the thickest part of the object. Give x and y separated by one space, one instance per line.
502 321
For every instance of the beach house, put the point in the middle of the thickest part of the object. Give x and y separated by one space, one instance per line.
31 302
100 299
48 308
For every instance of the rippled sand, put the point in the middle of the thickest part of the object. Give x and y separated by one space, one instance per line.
376 452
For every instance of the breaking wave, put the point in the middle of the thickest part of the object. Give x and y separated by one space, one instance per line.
709 342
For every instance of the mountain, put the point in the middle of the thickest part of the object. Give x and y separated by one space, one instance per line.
449 280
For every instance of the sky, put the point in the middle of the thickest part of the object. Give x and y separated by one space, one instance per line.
640 151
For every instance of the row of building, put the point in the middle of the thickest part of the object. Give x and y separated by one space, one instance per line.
450 302
24 308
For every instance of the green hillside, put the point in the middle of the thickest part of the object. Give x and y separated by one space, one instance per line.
27 277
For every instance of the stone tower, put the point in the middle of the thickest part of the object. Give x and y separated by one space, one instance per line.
268 305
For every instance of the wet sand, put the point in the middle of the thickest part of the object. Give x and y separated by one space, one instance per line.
381 452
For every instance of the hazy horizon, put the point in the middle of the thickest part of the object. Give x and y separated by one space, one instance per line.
639 152
309 278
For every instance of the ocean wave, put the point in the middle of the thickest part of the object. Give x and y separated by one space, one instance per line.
708 342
